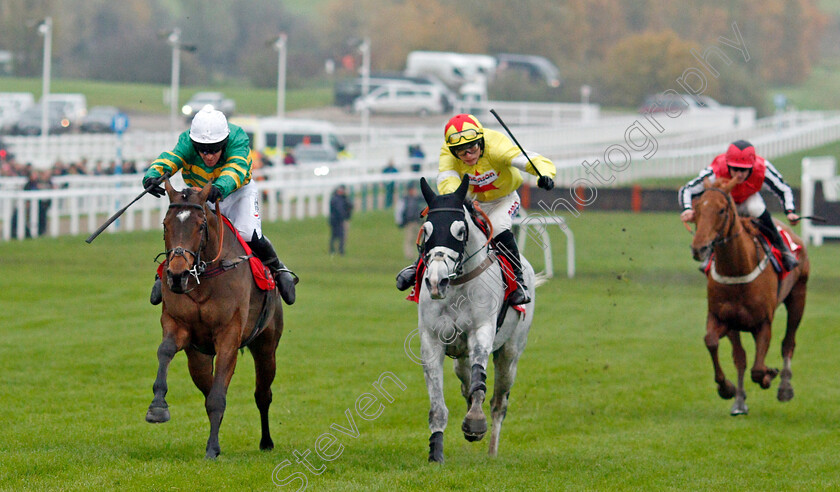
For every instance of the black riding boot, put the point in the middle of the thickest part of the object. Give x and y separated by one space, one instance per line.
789 260
285 278
506 244
157 296
407 276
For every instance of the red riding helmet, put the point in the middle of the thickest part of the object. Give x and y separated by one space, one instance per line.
740 154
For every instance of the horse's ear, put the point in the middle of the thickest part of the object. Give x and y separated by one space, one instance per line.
461 192
727 185
202 195
428 193
170 191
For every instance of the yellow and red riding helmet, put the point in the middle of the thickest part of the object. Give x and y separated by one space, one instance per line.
462 131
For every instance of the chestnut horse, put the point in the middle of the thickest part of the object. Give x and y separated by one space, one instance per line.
211 308
743 293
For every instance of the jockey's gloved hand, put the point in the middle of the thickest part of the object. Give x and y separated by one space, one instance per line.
545 183
153 186
215 194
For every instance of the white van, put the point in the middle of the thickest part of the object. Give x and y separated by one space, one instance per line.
265 133
454 69
74 105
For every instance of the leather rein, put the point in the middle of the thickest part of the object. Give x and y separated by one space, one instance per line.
199 268
457 277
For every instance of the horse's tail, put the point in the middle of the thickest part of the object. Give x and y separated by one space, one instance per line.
540 279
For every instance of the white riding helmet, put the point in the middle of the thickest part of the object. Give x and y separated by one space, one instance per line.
209 127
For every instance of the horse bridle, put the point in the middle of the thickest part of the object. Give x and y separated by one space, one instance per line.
460 259
718 239
198 266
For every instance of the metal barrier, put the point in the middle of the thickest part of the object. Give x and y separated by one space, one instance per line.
819 169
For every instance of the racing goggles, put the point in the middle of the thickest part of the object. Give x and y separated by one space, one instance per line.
209 148
468 134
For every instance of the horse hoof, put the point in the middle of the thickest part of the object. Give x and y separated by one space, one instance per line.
266 445
474 429
157 415
726 390
736 411
785 393
212 453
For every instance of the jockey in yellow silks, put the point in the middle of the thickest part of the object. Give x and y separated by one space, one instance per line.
493 164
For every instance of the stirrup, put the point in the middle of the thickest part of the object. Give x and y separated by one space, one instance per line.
407 277
157 295
519 296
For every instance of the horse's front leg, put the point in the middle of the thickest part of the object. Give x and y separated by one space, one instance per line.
174 339
479 342
216 400
760 373
714 331
739 356
432 352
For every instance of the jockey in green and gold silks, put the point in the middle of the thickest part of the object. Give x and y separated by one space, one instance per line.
213 150
229 175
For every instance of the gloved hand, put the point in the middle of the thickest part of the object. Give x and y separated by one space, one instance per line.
215 194
545 183
153 186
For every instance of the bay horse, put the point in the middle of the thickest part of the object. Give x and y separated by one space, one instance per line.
211 308
743 293
459 303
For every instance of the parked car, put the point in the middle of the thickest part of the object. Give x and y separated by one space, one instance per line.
538 68
201 99
305 153
347 91
74 106
29 122
395 98
100 119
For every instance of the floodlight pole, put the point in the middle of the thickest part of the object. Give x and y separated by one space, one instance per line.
364 48
45 29
280 46
175 41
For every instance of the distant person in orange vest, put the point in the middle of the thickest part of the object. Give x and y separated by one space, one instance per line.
753 174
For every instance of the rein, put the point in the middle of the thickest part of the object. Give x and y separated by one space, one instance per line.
200 267
457 277
731 215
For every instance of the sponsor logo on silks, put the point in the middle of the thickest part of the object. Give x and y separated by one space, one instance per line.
484 181
514 209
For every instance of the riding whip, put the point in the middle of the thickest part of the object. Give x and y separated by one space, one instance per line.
493 111
121 211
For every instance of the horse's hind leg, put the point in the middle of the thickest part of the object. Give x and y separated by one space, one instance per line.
714 331
216 400
795 305
739 357
265 365
173 341
504 362
201 370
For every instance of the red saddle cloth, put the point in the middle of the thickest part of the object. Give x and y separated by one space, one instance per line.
507 276
262 277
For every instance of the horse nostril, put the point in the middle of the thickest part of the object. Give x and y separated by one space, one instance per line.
444 282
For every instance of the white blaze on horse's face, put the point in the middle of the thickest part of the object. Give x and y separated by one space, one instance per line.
183 215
